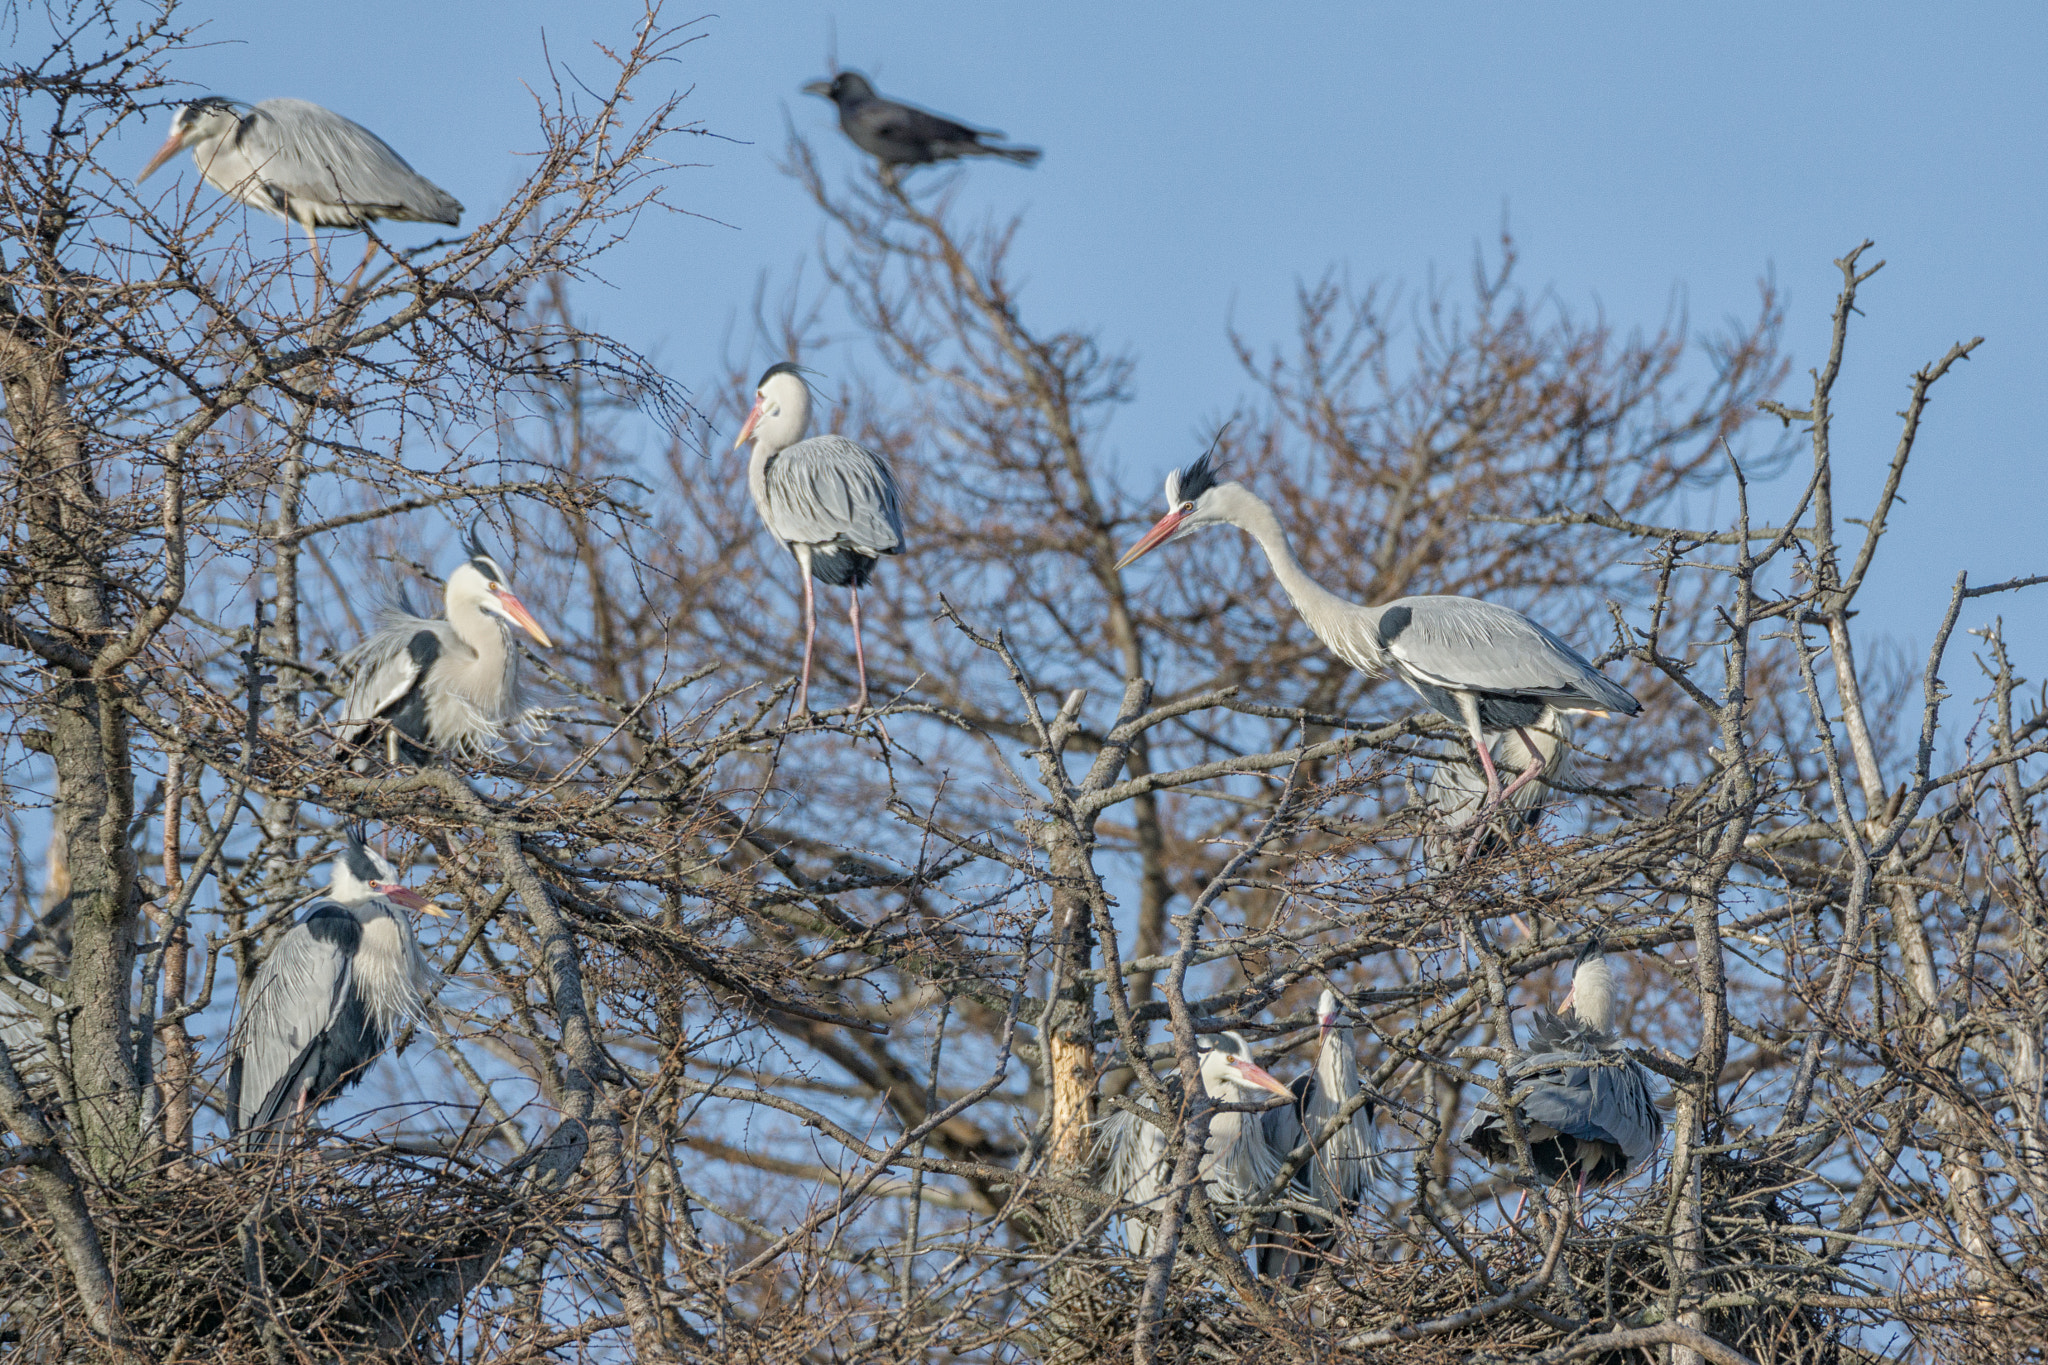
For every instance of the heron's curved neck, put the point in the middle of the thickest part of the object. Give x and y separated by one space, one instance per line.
1337 1066
1593 994
1350 630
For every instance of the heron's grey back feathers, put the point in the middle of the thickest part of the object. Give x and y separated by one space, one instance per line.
483 692
328 169
830 491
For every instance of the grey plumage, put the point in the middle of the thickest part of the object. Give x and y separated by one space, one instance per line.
831 502
1484 666
1592 1124
1339 1175
1457 792
326 1001
23 1008
296 160
450 684
902 134
1237 1161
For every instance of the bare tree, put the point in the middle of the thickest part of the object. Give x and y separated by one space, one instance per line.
777 1039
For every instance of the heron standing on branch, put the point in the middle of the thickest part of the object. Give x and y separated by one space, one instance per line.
1342 1168
1593 1124
1484 666
298 161
902 134
832 504
328 998
444 685
1237 1162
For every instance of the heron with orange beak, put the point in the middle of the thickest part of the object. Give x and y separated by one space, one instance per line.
327 999
444 685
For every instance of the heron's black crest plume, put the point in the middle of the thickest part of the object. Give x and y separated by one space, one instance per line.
789 367
1595 946
472 543
1188 484
361 862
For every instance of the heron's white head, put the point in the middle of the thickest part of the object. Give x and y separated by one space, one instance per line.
479 585
1326 1014
1229 1073
1591 998
194 125
1194 499
360 873
782 409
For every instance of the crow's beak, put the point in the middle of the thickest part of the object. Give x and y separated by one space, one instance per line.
819 88
164 153
753 420
1154 538
523 618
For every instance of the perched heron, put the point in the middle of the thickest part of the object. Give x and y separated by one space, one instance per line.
902 134
23 1008
444 685
298 161
1238 1162
327 999
1340 1173
1457 790
1593 1124
831 502
1484 666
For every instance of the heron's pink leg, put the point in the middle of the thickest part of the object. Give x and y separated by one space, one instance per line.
356 278
1529 773
860 661
803 687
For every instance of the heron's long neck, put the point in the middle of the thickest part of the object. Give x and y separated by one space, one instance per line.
1593 994
1337 1068
484 674
1351 631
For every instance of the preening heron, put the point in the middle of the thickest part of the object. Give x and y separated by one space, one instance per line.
1238 1161
296 160
831 502
1457 792
447 685
902 134
1592 1124
1337 1178
1484 666
328 998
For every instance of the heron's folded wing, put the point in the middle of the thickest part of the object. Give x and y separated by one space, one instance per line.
831 489
313 153
382 670
1461 642
294 998
1134 1154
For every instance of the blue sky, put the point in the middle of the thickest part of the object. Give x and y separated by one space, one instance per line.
1203 158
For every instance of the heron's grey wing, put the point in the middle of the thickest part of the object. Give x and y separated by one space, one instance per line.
829 489
1134 1161
1626 1109
314 154
294 999
382 669
1464 643
21 1028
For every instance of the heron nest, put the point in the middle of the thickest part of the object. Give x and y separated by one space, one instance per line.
352 1252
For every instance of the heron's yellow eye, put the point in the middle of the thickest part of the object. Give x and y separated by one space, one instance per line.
1187 507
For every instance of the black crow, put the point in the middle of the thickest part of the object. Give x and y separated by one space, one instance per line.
901 134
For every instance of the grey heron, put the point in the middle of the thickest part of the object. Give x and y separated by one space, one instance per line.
1457 790
1237 1162
1594 1123
446 684
327 999
902 134
831 502
1337 1178
1484 666
298 161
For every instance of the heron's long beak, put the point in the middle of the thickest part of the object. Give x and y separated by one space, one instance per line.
1325 1024
753 419
523 618
819 88
164 153
1252 1074
1566 1003
407 897
1154 538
